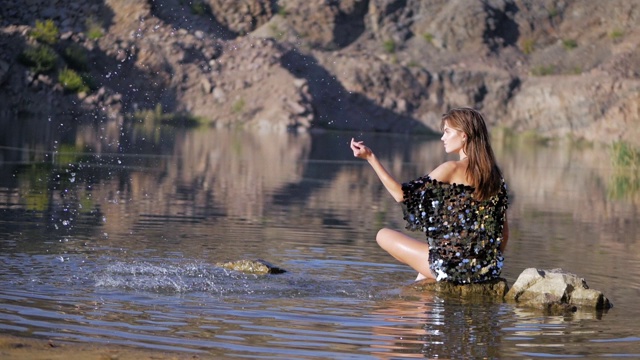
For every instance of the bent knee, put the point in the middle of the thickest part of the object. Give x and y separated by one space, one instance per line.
384 235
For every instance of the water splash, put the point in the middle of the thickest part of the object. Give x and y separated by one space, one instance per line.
194 277
169 278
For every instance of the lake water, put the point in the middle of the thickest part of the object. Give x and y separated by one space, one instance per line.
111 235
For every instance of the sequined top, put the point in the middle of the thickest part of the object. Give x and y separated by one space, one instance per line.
464 234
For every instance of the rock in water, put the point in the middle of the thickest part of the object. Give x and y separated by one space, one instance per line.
256 267
492 289
555 290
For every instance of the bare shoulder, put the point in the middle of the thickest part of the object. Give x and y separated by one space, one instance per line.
450 172
444 171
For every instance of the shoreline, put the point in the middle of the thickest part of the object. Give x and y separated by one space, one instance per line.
17 347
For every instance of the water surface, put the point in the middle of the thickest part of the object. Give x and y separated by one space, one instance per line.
112 235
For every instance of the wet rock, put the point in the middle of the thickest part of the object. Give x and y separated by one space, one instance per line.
555 290
494 289
256 267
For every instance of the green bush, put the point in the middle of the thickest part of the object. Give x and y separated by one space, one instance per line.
625 182
45 32
569 44
158 115
543 70
198 7
40 58
238 106
94 29
528 45
72 81
282 11
428 37
625 155
76 57
616 34
389 46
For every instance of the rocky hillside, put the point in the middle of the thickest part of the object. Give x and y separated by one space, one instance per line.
558 68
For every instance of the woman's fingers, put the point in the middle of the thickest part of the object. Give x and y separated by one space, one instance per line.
358 147
355 145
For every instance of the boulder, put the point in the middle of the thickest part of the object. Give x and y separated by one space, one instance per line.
256 267
555 290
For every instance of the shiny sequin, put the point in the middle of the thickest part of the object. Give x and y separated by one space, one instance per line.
464 234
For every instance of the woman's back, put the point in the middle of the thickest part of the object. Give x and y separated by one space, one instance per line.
464 234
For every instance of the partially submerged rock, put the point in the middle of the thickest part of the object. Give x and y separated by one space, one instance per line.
555 290
256 267
494 289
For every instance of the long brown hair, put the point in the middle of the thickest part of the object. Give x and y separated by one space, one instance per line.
483 171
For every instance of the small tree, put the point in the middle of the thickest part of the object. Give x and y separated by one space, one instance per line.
45 32
72 81
40 58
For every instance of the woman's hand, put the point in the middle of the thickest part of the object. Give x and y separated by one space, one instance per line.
360 150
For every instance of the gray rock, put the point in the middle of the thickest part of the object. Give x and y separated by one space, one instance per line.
206 85
555 290
219 94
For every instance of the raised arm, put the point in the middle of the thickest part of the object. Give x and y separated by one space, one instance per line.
392 186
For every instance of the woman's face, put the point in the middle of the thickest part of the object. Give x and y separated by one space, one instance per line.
453 139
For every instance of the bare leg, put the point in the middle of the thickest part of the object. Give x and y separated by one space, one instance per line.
408 250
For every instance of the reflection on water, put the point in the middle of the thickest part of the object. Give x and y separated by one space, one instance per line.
446 327
110 234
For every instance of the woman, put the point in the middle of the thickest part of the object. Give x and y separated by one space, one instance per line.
460 206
